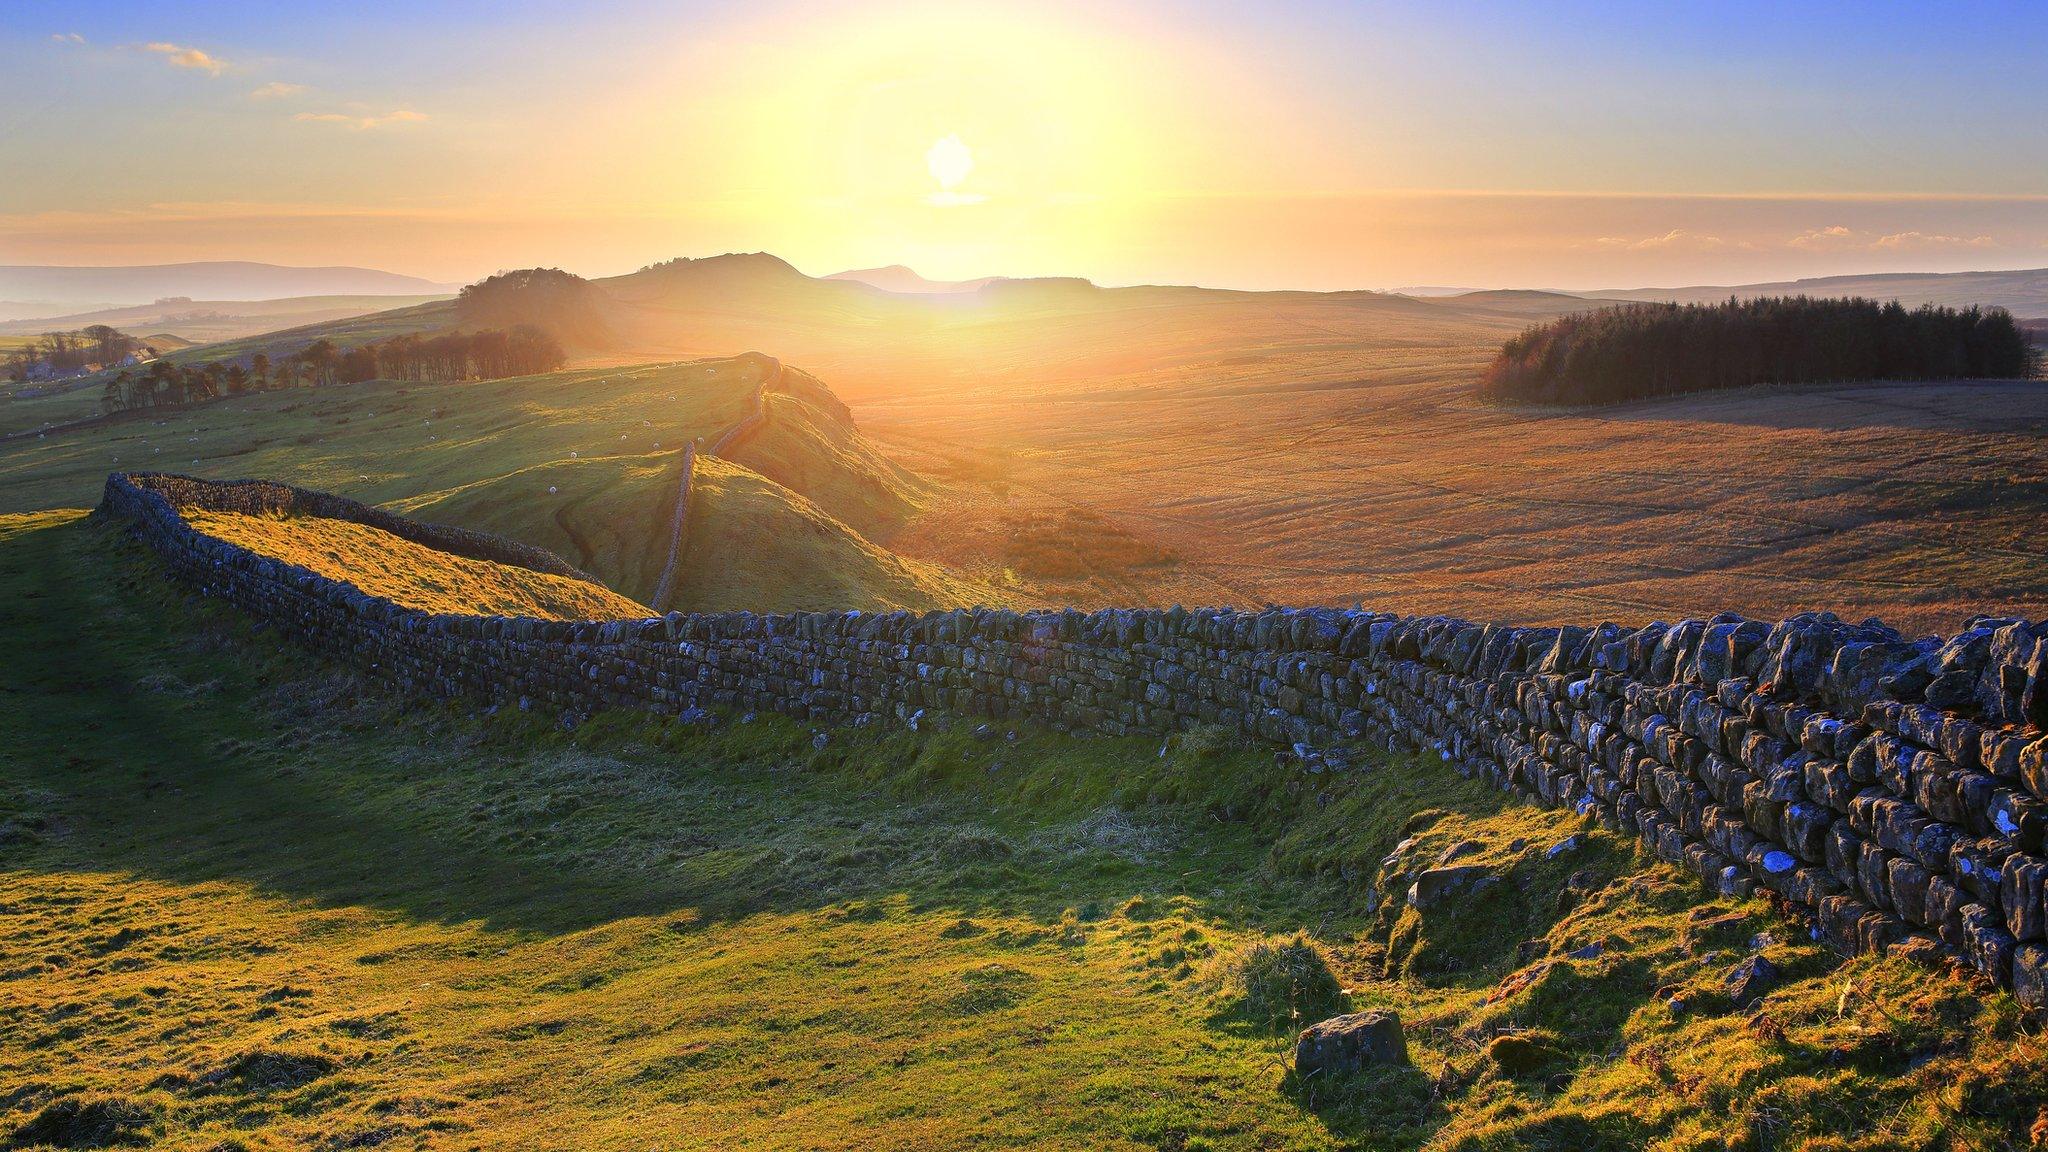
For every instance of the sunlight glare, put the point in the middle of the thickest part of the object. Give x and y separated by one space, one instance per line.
950 162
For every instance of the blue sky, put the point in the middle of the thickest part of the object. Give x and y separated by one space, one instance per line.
1318 144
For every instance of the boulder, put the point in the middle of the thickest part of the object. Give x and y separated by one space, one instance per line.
1344 1044
1751 980
1437 885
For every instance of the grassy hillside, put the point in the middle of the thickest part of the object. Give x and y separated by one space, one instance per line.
413 575
583 463
803 448
641 935
754 542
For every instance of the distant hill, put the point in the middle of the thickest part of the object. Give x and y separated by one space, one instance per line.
52 290
1008 331
1523 301
208 321
2023 292
897 278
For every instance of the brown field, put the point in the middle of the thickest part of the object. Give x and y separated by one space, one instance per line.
1918 504
1162 445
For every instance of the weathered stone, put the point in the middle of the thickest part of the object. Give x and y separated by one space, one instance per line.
1345 1044
1437 885
1750 980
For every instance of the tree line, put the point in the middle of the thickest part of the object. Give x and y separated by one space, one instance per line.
487 355
70 353
1635 351
492 354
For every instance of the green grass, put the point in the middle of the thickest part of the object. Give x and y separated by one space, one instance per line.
832 466
396 569
484 455
247 901
385 442
753 541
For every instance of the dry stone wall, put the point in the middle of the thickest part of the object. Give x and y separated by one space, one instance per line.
679 520
1892 791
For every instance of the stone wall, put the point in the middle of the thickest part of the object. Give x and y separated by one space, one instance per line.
1894 792
679 520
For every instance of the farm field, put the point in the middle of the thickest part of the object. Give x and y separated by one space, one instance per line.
732 935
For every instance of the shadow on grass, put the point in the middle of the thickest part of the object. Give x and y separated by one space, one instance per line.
163 735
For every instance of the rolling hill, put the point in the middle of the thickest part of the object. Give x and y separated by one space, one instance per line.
212 321
1255 447
585 463
51 290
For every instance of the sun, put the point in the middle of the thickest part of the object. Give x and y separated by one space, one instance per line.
950 161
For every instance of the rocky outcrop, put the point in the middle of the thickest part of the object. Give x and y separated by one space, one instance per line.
1892 791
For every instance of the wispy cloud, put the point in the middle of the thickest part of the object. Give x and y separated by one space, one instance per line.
276 90
1834 237
1899 240
185 56
68 38
1678 239
363 121
1838 238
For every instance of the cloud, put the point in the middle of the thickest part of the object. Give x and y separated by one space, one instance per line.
276 90
68 38
1831 238
361 122
1925 240
181 56
1678 239
1836 238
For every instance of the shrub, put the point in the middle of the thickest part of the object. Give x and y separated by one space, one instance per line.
1278 983
90 1122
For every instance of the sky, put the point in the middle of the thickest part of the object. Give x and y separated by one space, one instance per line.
1309 145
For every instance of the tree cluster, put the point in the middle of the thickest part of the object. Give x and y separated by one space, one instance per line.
70 353
1641 350
486 355
492 354
562 304
162 384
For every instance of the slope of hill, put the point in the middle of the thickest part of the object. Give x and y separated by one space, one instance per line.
2023 292
584 463
729 936
809 445
63 289
211 321
756 545
413 575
